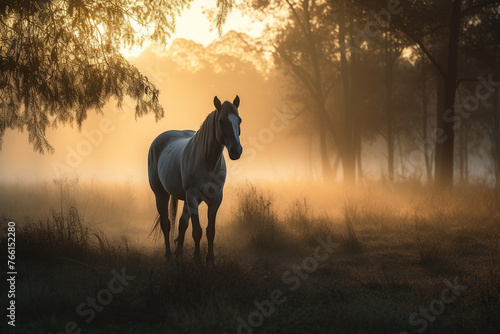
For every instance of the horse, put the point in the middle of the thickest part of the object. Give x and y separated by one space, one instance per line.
189 166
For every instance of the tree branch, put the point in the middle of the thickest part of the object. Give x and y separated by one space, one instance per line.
473 8
429 55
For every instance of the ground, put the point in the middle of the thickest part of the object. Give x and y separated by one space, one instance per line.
363 260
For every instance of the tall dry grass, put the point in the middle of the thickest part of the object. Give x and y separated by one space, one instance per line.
396 251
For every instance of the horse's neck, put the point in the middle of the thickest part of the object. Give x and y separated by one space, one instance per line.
206 148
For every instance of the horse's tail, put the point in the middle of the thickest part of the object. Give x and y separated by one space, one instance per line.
155 227
172 213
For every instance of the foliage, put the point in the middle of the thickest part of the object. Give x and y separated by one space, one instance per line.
61 59
257 221
351 65
225 6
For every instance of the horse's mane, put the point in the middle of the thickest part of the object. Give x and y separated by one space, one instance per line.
205 139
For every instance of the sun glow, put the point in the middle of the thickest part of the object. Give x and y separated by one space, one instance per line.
194 24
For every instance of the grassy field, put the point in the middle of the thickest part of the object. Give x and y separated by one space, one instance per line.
290 258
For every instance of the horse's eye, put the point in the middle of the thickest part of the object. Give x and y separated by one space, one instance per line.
221 121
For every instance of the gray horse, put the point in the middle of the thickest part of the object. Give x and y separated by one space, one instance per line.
190 166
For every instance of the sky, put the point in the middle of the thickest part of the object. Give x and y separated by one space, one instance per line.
20 161
87 152
195 25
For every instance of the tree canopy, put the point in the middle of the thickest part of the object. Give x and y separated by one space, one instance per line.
349 58
61 59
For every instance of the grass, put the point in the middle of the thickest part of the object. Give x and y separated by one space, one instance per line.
257 222
349 237
396 252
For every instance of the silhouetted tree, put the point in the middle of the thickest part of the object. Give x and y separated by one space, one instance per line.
302 48
61 59
445 25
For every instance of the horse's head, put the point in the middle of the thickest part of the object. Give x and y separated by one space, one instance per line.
228 126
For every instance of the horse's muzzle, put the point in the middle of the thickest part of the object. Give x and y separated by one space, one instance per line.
235 152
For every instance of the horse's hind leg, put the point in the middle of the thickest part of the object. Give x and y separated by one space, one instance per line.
162 199
193 203
183 224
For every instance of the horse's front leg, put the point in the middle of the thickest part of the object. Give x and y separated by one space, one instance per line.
193 204
213 207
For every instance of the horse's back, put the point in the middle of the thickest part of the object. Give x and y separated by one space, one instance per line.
164 161
170 137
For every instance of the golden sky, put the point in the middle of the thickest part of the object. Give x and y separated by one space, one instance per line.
194 24
18 160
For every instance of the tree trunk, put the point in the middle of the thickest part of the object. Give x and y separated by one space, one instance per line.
462 150
355 104
310 142
466 129
496 133
359 164
325 160
444 174
335 167
401 156
349 167
439 124
347 150
388 109
427 149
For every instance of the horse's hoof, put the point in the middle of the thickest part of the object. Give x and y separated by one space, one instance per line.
210 260
178 252
197 258
178 257
168 256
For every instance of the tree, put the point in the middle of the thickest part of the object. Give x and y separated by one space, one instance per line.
302 47
428 150
61 59
306 45
419 22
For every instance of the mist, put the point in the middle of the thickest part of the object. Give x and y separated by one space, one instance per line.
366 197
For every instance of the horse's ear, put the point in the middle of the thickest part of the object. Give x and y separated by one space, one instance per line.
217 103
236 101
